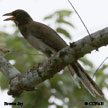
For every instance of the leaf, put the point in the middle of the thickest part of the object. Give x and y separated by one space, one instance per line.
64 32
48 17
63 12
60 13
60 20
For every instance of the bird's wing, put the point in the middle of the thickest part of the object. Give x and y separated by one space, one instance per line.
47 35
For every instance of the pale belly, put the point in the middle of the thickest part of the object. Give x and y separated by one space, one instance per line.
38 44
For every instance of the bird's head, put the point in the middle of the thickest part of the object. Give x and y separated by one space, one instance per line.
20 17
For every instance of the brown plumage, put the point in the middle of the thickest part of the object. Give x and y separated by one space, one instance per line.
46 40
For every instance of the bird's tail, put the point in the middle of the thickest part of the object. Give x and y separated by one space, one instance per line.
88 83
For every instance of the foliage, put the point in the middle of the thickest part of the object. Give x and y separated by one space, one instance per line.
61 18
61 90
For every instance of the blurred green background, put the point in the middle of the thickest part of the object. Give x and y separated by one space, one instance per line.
60 91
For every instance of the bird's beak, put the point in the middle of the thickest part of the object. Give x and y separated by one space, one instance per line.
10 18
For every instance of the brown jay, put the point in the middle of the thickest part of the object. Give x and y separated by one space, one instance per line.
46 40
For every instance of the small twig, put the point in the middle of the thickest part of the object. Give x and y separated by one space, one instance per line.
81 20
99 67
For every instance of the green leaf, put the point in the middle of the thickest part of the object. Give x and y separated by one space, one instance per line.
63 12
60 13
64 32
48 17
60 20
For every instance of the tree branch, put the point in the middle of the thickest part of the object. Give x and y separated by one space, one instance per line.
6 68
47 69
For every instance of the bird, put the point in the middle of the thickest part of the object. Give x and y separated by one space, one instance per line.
48 41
